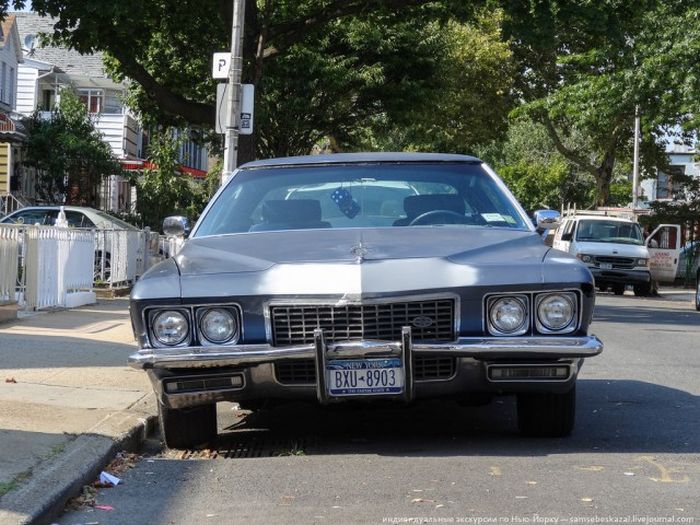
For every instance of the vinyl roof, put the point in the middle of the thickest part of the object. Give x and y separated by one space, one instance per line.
359 158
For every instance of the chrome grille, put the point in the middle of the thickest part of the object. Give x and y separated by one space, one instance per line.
303 371
295 324
626 263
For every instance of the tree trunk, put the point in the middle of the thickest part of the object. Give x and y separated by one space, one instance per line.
604 178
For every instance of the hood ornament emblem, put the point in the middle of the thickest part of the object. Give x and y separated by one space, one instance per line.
422 321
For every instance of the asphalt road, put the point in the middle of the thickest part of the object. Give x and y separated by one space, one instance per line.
633 458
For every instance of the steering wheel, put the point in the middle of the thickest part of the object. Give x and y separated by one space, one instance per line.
426 218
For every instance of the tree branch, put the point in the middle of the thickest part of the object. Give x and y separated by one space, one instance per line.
167 100
567 153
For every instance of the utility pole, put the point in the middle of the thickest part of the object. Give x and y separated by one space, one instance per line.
635 165
234 92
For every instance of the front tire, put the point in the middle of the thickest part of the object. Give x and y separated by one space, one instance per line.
618 289
547 414
642 290
187 427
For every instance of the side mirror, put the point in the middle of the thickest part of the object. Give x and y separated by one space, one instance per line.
176 226
547 219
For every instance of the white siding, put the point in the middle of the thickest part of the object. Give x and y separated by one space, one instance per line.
112 129
8 56
26 89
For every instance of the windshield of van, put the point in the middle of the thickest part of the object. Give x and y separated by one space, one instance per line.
609 231
404 195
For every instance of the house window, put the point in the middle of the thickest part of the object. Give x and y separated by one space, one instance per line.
92 98
48 97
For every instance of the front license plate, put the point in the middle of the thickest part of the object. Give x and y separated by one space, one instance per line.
606 266
359 377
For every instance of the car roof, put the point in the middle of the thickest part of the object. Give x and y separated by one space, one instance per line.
361 158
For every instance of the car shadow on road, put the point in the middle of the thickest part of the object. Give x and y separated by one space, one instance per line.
612 416
636 314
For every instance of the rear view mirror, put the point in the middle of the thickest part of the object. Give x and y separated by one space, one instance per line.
547 219
176 226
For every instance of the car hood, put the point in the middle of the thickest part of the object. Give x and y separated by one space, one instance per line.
612 249
354 262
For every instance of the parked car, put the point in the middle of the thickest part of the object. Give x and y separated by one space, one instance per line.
77 217
688 260
284 294
612 248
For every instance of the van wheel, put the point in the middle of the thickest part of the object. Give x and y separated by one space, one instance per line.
642 290
547 414
187 427
618 289
697 292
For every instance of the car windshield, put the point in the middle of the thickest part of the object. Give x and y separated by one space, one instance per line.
609 231
361 196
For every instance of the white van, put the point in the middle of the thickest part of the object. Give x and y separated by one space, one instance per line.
616 252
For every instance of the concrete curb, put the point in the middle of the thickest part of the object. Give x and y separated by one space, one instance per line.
56 480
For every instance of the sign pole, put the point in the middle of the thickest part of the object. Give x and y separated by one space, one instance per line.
234 92
635 161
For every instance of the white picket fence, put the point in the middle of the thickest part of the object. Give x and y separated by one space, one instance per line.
9 262
59 266
49 266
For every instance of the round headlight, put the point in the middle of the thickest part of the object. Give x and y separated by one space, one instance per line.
170 327
586 258
218 325
508 315
556 312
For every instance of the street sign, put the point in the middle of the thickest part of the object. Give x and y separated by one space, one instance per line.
221 65
247 108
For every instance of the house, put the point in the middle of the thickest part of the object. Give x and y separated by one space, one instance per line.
47 69
681 160
11 129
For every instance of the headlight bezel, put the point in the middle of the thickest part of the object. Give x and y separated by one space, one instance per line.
155 313
523 328
642 261
570 327
193 313
202 311
586 258
534 297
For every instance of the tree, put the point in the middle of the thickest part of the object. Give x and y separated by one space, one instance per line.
163 189
583 68
541 177
470 103
69 154
328 63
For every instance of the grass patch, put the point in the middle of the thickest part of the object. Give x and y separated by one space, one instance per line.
7 486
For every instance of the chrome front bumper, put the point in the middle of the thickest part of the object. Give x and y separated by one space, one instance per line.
486 348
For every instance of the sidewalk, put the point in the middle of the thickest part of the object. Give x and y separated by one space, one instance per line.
67 400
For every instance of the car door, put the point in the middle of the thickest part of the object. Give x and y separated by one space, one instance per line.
664 245
564 236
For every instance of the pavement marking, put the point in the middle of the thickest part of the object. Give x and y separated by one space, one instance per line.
592 468
496 471
666 474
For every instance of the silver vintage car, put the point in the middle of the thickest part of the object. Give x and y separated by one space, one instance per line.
363 277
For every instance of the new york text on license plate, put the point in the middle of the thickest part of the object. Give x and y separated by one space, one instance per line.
354 377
